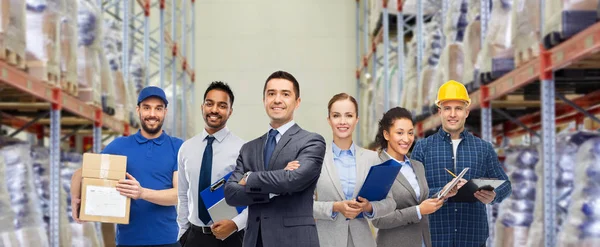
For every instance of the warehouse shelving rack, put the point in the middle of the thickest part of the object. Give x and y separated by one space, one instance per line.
544 81
31 105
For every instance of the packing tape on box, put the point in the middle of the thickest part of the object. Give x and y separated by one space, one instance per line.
104 165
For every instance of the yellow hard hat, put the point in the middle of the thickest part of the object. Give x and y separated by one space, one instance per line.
452 90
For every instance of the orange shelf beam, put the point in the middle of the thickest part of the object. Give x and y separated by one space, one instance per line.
43 91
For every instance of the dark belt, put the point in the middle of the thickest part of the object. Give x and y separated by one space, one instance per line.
202 229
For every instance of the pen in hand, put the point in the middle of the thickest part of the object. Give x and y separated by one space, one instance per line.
450 172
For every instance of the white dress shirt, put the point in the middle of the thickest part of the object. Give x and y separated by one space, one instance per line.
226 148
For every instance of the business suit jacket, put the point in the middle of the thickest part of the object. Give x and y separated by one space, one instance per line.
287 219
403 227
337 232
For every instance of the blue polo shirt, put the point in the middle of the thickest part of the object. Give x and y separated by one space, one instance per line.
152 163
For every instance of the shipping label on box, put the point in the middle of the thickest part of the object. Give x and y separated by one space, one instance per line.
101 202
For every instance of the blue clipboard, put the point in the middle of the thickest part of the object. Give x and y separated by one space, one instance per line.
214 200
379 181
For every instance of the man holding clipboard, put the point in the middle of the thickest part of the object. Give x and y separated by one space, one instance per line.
203 161
459 223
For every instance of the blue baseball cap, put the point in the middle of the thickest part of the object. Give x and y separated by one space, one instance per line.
152 91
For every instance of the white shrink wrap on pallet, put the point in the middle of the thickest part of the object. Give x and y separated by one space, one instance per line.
25 202
582 227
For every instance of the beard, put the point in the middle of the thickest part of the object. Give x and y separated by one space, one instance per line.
149 130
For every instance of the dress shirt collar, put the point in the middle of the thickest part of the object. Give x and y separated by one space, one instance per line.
283 128
338 151
219 135
158 140
405 162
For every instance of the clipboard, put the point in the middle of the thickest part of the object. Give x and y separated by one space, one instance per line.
214 200
466 193
379 181
455 181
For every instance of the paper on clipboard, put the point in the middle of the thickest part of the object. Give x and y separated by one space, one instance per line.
454 182
488 183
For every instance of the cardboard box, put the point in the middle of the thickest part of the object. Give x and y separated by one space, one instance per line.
100 200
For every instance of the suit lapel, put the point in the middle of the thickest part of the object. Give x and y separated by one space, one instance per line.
287 136
261 153
332 172
419 169
400 178
362 169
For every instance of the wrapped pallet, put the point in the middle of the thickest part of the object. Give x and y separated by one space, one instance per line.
563 19
68 48
456 20
88 64
7 216
108 85
113 41
526 30
516 213
137 69
567 147
471 48
12 34
25 202
496 56
429 81
41 171
583 216
432 52
120 96
43 39
84 235
410 74
451 67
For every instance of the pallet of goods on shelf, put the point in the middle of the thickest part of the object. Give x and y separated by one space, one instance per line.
471 45
68 48
526 30
43 39
137 70
120 96
41 175
12 32
88 52
563 19
515 214
431 59
450 66
107 85
25 202
583 213
7 216
496 57
567 147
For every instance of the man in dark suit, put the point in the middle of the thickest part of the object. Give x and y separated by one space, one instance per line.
280 202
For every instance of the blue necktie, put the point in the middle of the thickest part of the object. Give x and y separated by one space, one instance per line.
204 181
270 147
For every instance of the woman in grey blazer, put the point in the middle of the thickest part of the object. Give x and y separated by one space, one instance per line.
345 167
408 225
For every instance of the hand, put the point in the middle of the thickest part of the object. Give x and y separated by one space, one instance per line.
350 209
242 181
223 228
430 205
365 205
75 206
454 190
292 165
485 196
130 187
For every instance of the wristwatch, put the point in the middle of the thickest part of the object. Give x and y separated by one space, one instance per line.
245 177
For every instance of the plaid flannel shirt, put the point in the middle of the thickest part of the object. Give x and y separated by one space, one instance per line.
459 224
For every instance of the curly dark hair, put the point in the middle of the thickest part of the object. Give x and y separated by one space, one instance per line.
387 121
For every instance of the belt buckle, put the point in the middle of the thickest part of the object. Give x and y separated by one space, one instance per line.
207 231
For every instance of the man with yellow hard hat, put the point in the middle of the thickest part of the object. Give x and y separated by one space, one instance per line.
459 222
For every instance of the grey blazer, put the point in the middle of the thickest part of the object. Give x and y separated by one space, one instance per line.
403 227
286 219
338 232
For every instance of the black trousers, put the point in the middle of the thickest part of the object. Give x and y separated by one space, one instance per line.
195 237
